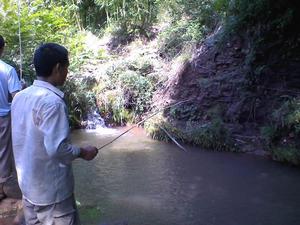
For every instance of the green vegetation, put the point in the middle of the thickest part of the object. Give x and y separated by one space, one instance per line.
89 214
122 53
79 100
210 135
272 31
40 23
282 136
124 91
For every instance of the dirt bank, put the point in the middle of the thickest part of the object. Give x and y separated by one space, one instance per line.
11 212
218 81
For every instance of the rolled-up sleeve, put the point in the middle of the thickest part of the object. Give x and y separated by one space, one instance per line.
54 124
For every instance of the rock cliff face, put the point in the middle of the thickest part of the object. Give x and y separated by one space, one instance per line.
218 80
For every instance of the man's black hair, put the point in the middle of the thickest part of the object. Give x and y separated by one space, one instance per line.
2 42
47 56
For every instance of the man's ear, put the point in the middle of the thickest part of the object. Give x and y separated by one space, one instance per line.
56 68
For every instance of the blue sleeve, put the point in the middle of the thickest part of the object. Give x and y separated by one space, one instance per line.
14 83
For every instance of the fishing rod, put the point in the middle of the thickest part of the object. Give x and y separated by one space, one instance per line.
173 139
20 40
142 121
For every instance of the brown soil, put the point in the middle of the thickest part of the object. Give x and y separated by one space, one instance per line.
216 82
11 212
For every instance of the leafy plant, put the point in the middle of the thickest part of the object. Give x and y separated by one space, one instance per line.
179 36
79 100
282 135
287 154
211 135
40 23
132 16
125 89
137 89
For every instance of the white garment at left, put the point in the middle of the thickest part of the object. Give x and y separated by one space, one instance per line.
42 151
9 83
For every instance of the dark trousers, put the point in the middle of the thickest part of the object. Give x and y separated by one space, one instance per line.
6 155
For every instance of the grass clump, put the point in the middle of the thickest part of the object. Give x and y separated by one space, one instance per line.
282 134
90 214
211 135
152 127
286 154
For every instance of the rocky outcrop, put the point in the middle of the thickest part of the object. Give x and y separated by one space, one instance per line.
218 81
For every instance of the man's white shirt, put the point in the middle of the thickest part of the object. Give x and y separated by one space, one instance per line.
41 146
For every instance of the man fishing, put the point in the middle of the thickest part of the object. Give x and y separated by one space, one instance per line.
42 150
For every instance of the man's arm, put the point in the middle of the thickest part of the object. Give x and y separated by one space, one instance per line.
14 84
54 124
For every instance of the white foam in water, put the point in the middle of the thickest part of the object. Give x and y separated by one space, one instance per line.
103 131
94 121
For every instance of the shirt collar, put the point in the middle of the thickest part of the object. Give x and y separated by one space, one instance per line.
44 84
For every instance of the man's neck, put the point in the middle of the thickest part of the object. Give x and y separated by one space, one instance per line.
47 79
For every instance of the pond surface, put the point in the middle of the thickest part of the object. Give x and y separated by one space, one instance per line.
139 181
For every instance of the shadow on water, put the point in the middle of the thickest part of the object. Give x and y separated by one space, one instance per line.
140 181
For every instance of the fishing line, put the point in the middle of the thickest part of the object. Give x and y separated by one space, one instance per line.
153 114
20 40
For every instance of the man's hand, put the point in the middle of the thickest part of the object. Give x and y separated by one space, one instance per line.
88 152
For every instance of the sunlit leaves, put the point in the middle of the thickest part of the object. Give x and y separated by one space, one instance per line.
40 22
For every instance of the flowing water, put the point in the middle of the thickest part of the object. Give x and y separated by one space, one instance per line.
139 181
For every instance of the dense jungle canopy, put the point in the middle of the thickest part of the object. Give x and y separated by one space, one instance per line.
237 59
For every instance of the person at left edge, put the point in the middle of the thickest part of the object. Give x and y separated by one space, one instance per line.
9 86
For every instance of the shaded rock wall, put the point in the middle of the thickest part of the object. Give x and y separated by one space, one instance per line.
218 80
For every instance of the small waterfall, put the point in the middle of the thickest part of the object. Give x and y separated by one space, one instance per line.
94 121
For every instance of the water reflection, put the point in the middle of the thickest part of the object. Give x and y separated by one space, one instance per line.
146 182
